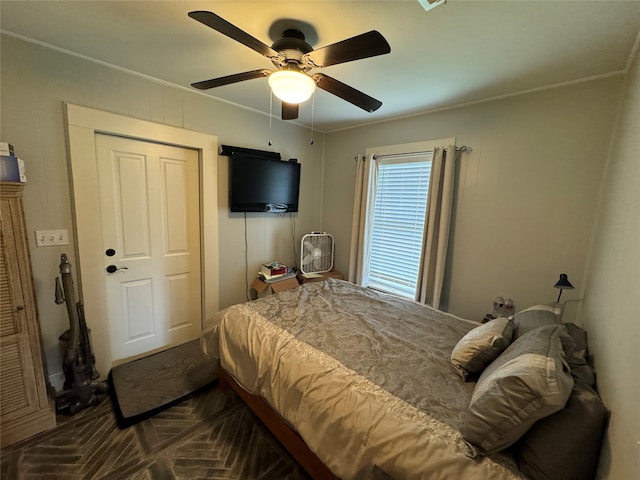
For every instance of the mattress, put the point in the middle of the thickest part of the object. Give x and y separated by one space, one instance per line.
363 377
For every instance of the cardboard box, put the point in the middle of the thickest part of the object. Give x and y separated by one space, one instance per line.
319 277
267 288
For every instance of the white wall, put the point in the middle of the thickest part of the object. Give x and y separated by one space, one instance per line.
525 196
36 81
612 291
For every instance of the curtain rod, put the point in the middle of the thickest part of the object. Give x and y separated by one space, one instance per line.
462 148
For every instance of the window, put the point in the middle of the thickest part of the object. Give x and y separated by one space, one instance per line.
396 224
402 207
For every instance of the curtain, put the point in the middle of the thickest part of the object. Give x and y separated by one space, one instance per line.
356 252
437 226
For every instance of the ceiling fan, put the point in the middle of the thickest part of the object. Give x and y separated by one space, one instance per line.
294 58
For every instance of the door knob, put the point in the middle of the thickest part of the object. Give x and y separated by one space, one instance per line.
114 269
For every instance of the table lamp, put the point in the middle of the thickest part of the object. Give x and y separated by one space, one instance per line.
563 284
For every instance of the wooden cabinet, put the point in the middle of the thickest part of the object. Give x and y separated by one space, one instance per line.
25 407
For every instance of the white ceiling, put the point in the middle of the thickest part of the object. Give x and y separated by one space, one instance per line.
457 53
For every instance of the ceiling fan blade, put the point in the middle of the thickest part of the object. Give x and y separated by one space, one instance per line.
347 93
219 24
289 111
366 45
235 78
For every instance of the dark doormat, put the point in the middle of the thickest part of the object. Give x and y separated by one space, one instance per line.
144 387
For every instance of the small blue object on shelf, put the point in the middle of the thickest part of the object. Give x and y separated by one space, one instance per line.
11 169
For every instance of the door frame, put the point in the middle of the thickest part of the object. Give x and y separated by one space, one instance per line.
82 124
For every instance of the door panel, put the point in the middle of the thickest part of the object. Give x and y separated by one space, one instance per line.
178 288
137 310
130 195
176 209
149 202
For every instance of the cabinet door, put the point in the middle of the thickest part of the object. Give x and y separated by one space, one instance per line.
24 406
18 394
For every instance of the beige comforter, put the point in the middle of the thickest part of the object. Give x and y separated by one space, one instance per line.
363 377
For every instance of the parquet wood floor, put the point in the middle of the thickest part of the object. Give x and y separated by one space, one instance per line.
210 435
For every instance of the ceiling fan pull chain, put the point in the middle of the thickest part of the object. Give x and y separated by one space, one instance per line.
313 109
270 113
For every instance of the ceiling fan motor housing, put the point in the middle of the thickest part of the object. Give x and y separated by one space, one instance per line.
291 47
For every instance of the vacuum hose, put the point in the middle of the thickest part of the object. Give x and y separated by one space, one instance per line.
59 294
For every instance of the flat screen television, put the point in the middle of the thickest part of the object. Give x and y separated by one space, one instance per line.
258 184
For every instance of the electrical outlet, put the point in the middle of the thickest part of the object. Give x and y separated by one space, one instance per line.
49 238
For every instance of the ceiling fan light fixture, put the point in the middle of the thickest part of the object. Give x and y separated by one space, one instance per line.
291 86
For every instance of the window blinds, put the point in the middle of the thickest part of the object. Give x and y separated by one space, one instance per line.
397 226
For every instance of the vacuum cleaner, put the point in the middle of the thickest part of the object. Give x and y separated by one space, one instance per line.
81 387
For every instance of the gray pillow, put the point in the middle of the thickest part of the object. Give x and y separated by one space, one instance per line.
565 445
479 347
528 381
533 317
577 353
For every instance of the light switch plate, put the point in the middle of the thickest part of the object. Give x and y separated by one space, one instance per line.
49 238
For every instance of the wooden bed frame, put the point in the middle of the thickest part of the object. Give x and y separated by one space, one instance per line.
288 437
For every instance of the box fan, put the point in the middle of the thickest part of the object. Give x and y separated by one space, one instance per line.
316 252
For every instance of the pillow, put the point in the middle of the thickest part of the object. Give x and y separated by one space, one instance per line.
577 353
533 317
528 381
565 445
481 346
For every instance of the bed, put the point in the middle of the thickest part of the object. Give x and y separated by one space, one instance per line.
355 383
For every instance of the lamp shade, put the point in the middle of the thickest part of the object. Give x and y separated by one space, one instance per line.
291 86
563 282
